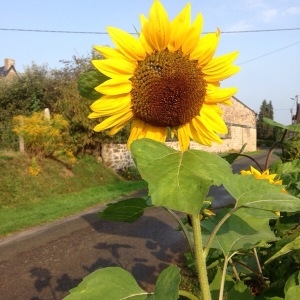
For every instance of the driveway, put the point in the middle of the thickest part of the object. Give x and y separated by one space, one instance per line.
45 262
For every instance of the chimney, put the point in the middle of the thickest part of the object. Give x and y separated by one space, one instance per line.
8 62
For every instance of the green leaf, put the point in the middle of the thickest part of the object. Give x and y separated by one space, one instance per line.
293 280
258 193
112 283
178 180
128 210
240 291
239 231
87 82
294 245
293 293
231 157
216 283
293 127
280 168
167 284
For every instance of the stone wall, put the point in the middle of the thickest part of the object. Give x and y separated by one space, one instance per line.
241 123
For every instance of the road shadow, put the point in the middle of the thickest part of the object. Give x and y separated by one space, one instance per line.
144 248
44 281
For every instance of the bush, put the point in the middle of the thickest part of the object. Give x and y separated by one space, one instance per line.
45 137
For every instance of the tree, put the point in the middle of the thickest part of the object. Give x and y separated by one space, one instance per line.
68 91
39 88
30 92
265 131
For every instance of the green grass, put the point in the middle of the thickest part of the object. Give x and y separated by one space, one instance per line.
56 192
53 208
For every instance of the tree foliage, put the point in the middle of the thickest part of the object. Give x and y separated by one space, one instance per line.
265 131
68 91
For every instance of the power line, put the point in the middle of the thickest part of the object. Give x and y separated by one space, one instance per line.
51 31
269 53
97 32
135 33
260 30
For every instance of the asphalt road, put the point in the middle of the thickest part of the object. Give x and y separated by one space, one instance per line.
45 262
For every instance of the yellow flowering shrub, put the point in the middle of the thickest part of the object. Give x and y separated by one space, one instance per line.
43 137
34 169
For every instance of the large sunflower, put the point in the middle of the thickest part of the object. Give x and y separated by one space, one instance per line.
164 78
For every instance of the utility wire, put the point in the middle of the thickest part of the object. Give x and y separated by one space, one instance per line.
96 32
266 54
135 33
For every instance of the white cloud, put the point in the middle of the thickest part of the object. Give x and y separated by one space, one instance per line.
293 10
269 14
256 4
240 26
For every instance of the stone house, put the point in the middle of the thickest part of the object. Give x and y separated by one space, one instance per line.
241 123
296 117
8 70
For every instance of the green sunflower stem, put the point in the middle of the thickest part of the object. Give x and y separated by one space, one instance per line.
200 259
188 295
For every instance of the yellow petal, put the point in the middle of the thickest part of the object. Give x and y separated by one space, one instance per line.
136 130
221 75
244 172
206 48
212 119
193 35
255 172
183 138
114 120
107 106
114 87
115 68
118 127
217 95
143 20
155 133
128 45
179 28
197 135
227 102
142 39
157 29
206 132
109 52
140 129
220 68
148 49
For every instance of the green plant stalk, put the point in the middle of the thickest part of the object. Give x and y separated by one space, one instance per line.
223 278
187 294
235 272
185 232
214 232
226 260
272 148
200 259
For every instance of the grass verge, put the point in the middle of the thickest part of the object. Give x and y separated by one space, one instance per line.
29 199
53 208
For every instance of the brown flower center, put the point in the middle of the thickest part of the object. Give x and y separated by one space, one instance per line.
168 89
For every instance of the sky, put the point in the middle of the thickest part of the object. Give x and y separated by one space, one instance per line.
265 32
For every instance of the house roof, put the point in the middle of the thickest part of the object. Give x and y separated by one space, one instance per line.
243 104
4 73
